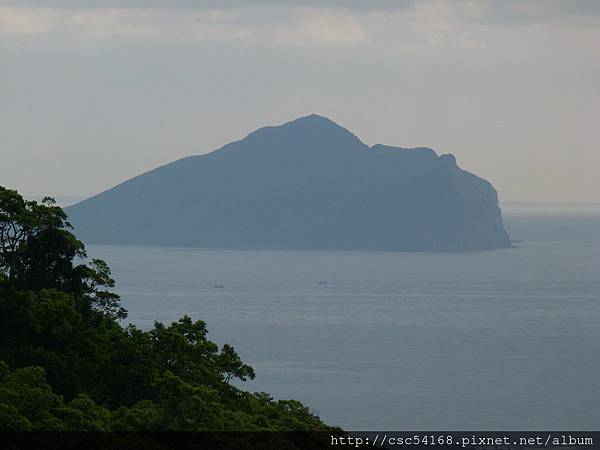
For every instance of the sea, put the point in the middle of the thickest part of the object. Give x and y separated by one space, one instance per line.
502 340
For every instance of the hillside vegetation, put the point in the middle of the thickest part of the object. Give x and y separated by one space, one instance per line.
66 363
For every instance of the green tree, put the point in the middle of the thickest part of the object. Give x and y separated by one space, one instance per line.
27 401
74 367
231 366
38 250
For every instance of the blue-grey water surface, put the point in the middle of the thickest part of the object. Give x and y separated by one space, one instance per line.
507 339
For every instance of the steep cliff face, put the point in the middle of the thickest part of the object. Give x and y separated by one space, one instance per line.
306 184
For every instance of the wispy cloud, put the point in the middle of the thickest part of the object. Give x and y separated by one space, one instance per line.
294 26
214 4
320 28
112 23
505 11
27 21
386 23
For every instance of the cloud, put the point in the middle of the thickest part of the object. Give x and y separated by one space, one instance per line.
296 26
112 23
108 23
27 21
318 28
497 11
435 23
213 4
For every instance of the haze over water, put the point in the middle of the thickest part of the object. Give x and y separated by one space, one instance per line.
380 340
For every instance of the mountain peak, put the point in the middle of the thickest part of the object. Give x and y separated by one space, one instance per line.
314 118
312 130
315 121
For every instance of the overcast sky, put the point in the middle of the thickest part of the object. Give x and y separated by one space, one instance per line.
95 92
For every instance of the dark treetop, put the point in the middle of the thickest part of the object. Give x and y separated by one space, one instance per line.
67 364
307 184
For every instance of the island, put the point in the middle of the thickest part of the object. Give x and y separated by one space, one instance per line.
306 184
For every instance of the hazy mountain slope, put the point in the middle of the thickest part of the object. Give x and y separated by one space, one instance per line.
306 184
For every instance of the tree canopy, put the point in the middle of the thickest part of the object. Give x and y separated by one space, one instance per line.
67 363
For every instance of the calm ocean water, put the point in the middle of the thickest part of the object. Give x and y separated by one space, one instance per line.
378 340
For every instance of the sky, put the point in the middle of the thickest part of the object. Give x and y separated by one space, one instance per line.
95 92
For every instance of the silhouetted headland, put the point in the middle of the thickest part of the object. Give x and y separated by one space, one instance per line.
307 184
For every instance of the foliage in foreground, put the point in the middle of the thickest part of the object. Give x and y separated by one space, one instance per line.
67 364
